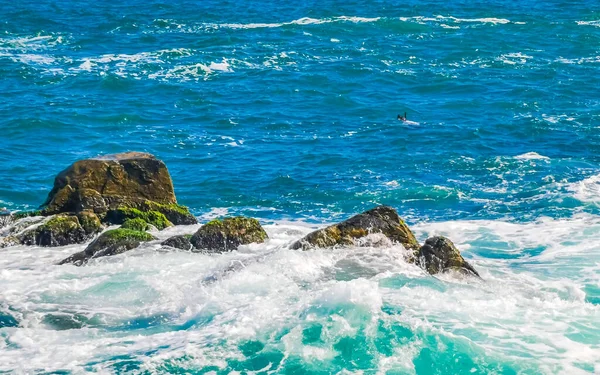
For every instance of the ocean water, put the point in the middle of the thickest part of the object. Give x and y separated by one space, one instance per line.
286 111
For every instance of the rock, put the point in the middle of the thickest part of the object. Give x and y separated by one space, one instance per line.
228 234
439 254
176 214
135 224
382 219
61 230
111 242
110 181
89 222
122 214
179 242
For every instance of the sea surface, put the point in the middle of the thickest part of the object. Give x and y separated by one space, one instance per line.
286 111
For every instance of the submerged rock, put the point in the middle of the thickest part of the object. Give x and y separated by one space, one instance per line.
227 234
181 242
61 230
107 182
439 254
382 219
111 242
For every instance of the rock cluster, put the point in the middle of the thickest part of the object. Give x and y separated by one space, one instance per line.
134 190
437 255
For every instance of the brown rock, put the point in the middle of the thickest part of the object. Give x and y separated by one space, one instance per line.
381 219
108 181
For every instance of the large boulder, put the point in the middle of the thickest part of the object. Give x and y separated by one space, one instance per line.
62 230
110 181
227 234
382 219
111 242
439 255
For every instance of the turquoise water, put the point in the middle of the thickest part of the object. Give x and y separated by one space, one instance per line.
287 112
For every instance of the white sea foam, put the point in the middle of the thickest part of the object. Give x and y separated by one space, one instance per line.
529 306
531 156
514 58
446 20
587 190
301 21
595 23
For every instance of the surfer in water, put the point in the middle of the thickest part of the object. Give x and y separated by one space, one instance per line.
402 118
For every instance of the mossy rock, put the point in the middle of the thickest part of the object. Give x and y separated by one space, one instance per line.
181 242
175 213
439 255
122 214
106 182
228 234
90 222
135 224
382 219
59 230
111 242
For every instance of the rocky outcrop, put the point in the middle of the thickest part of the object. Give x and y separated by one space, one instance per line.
181 242
131 180
111 242
439 255
61 230
382 219
227 234
110 181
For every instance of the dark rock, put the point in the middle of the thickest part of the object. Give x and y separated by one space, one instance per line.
228 234
61 230
110 181
179 242
111 242
439 254
381 219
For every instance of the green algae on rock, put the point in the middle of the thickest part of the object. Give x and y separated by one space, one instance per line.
175 213
138 224
439 255
61 230
227 234
122 214
382 219
111 242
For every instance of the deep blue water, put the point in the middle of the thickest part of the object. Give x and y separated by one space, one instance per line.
286 111
296 116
